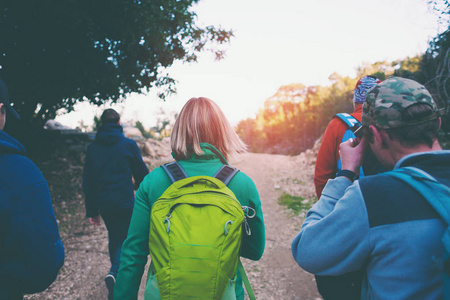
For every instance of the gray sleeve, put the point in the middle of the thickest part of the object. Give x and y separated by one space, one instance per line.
334 239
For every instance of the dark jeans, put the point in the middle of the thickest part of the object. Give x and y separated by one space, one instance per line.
117 223
342 287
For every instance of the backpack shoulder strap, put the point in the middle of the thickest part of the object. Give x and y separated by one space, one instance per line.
174 171
226 173
350 120
353 124
437 194
247 285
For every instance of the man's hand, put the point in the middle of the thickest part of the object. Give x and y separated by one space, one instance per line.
352 154
95 220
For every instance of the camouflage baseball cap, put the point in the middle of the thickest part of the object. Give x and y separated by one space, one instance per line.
386 102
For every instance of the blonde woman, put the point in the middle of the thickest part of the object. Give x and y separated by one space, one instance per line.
202 140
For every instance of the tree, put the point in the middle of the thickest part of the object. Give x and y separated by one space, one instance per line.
432 69
297 115
141 128
55 53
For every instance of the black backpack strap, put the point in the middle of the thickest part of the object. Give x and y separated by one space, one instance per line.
226 173
174 171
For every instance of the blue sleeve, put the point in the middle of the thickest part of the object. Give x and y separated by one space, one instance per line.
88 184
32 253
138 167
334 239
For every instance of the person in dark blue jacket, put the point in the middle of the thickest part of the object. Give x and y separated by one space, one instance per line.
31 251
112 161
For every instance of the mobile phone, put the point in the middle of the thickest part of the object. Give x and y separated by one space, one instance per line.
359 132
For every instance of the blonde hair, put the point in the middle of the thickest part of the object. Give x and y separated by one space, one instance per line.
202 121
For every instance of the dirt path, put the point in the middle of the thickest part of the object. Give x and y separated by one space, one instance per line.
275 276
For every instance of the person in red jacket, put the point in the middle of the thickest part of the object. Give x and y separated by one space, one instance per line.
328 156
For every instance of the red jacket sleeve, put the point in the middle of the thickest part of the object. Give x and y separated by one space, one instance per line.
328 155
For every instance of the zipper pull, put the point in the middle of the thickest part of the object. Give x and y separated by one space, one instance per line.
168 221
249 213
228 222
247 227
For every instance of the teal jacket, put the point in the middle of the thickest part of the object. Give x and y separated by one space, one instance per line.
135 250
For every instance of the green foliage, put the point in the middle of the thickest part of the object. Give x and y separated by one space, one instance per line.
434 67
442 8
295 203
295 116
380 69
162 129
164 125
57 53
444 140
97 123
141 128
435 74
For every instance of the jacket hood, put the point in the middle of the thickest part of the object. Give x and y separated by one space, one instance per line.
439 157
9 145
109 134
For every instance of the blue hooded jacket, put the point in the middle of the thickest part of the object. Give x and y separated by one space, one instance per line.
111 162
31 251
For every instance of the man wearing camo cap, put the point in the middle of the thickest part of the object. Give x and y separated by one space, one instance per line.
395 234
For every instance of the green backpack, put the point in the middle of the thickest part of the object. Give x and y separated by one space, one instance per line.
196 229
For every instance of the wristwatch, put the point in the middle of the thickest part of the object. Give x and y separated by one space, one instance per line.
347 173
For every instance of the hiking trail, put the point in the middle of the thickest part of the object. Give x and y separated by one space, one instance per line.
275 276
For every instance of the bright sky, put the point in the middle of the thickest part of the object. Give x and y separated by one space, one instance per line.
282 42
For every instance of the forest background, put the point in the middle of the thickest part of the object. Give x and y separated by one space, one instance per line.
57 54
297 115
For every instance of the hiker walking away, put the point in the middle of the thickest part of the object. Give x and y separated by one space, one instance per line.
112 161
202 140
340 129
31 251
393 233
